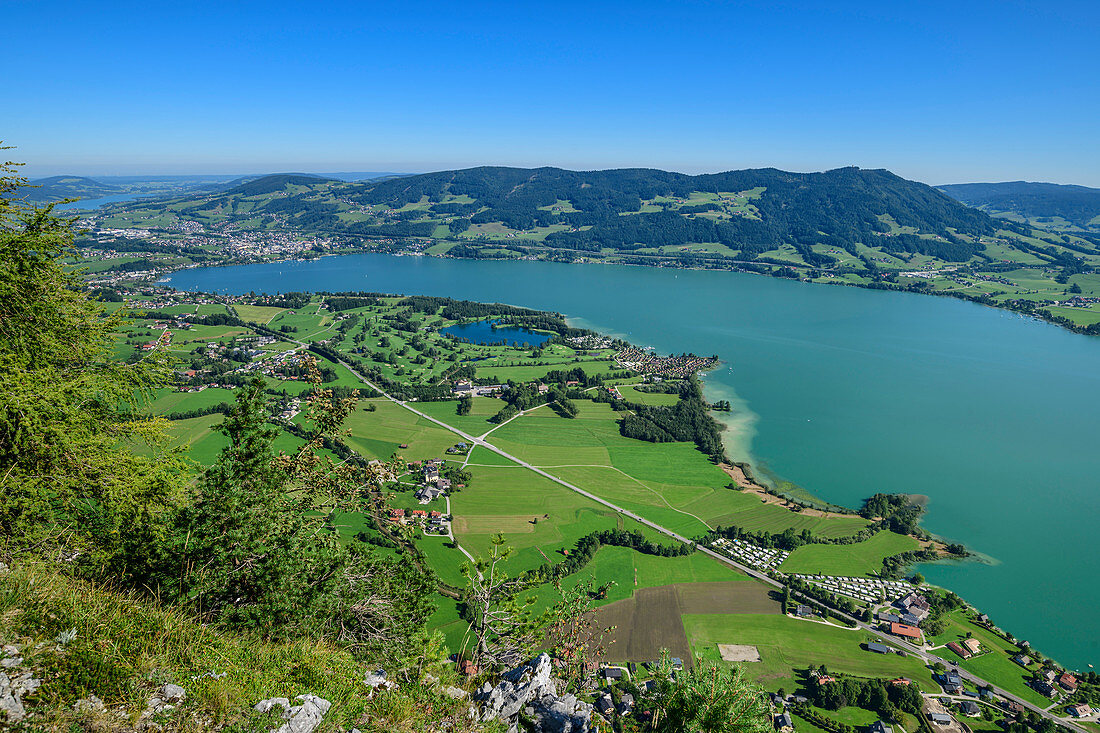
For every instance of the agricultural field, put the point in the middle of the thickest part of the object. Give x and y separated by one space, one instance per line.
787 644
669 483
861 558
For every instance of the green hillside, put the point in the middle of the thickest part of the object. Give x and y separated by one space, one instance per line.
56 188
1049 205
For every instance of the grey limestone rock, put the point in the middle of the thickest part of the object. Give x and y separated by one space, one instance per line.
12 691
301 718
531 688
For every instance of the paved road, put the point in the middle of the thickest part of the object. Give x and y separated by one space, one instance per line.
762 577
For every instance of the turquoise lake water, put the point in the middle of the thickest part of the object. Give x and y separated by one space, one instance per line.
846 392
86 204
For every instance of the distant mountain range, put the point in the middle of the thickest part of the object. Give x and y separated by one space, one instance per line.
55 188
745 213
1042 204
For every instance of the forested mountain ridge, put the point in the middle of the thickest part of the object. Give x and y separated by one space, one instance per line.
1041 203
748 212
56 188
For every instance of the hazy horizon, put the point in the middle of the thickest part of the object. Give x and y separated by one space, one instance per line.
32 173
935 92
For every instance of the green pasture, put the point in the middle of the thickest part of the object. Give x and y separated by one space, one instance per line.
381 432
861 558
257 313
788 646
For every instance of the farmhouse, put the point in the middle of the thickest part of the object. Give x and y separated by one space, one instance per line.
973 645
874 646
1022 659
904 630
879 727
955 647
783 723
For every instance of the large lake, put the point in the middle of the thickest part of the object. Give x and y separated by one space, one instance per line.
845 392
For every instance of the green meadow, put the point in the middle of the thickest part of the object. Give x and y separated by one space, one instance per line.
861 558
787 644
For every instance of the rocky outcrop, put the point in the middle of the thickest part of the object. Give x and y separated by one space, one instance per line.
15 684
530 690
301 718
163 702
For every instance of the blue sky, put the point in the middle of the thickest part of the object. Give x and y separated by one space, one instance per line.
939 92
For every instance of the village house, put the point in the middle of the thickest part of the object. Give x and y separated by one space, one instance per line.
969 708
1044 688
1022 659
1068 681
428 494
783 723
973 645
1080 710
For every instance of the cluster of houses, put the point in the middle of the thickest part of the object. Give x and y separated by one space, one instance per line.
675 367
761 558
432 522
465 388
1047 678
433 485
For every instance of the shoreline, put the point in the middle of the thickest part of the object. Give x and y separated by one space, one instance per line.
672 263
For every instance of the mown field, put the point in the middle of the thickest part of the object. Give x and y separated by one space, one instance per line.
862 558
788 644
672 484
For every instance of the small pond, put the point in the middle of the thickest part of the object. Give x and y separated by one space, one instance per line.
488 332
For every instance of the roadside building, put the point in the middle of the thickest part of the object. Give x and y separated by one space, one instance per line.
874 646
955 647
905 631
